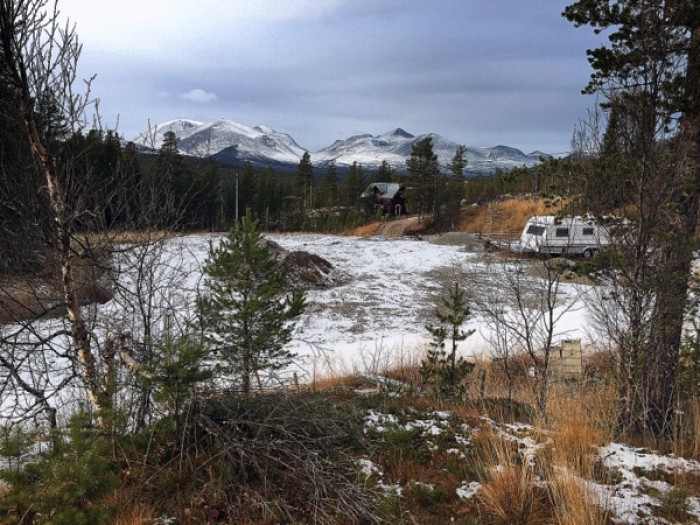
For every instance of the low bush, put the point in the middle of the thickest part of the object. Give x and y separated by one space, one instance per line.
64 485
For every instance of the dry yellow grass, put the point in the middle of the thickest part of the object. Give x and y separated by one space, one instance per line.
124 237
503 217
591 406
688 431
326 383
574 446
136 515
509 493
366 230
572 503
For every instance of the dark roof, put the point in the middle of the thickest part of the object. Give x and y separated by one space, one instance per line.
387 189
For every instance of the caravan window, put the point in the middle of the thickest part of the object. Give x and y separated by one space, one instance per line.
535 230
588 231
562 232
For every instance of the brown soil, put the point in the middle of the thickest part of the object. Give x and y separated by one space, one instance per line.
398 227
27 299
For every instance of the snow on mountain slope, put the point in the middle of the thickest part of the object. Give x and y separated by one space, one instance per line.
395 147
209 138
231 141
153 137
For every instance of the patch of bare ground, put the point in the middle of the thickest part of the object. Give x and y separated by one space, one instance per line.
23 299
399 227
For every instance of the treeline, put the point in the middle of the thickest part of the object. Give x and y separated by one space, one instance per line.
107 185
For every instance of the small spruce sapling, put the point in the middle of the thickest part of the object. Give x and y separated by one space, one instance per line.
178 371
442 369
246 317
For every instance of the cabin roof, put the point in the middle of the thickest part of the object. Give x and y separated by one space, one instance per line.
387 189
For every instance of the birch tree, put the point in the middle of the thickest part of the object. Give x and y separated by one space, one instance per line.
39 56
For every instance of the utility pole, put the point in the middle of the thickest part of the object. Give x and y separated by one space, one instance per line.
236 196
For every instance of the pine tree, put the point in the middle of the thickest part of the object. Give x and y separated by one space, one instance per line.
652 66
423 177
451 189
246 317
247 187
458 163
212 196
304 182
329 187
385 173
354 184
442 369
268 198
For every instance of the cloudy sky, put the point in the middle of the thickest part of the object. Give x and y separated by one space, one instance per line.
479 72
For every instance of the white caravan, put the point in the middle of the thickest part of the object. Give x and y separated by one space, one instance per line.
552 235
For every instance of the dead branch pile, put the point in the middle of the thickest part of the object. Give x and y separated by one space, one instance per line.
284 457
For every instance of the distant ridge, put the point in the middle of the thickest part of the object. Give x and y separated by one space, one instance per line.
234 143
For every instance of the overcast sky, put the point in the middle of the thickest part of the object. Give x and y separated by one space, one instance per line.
479 72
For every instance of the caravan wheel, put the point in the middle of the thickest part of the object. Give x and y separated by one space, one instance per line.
588 253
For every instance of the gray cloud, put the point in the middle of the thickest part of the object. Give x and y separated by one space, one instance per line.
479 73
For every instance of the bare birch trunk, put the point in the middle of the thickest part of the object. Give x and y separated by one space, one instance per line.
28 36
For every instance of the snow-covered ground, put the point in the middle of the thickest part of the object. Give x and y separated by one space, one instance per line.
372 321
378 317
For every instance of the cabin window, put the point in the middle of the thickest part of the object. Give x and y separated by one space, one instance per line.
535 230
562 232
588 231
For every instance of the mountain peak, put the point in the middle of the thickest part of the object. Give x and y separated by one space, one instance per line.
230 141
398 132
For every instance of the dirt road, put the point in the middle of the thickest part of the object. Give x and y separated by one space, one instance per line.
396 227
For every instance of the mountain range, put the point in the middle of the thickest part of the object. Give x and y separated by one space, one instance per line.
233 143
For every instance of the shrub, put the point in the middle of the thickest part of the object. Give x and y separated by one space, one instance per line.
64 485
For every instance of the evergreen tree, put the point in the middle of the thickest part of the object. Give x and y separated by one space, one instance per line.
246 317
268 198
129 172
168 176
458 163
304 182
423 177
23 226
652 66
354 184
330 193
442 369
451 190
247 188
178 369
385 173
210 196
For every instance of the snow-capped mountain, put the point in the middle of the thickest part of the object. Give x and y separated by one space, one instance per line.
395 147
232 142
206 139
